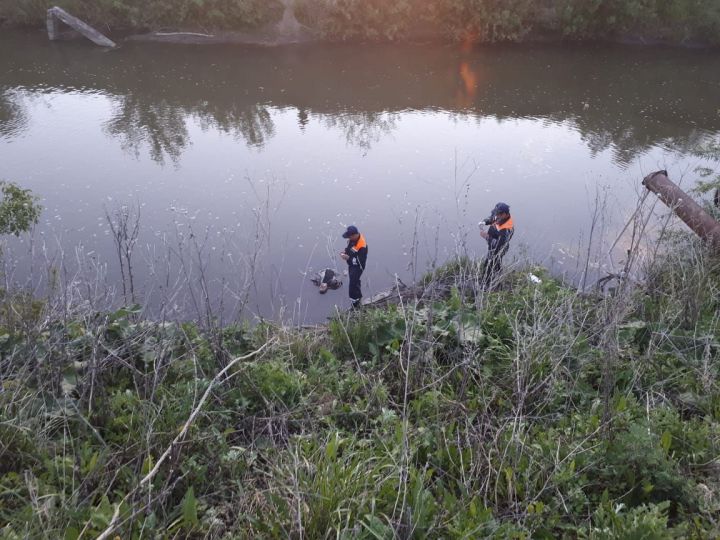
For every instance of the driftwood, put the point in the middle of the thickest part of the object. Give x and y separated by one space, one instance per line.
692 214
184 34
57 15
422 292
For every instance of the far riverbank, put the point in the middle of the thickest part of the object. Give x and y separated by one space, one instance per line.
685 23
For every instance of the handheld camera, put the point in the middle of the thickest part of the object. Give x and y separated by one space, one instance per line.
490 220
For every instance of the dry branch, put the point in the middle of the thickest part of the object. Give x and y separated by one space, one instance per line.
150 475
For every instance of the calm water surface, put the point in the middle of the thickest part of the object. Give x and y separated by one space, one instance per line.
246 163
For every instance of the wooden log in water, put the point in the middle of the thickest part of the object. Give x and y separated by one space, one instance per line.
55 15
401 293
692 214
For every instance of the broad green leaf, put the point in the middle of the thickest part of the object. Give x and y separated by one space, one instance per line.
92 463
666 441
147 465
189 509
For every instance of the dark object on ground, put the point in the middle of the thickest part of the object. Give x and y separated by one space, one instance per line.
702 223
326 279
56 15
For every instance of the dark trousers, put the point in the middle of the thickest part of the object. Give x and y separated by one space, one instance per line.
354 291
491 270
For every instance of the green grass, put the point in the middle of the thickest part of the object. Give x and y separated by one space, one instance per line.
543 413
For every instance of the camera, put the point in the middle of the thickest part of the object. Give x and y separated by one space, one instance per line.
490 220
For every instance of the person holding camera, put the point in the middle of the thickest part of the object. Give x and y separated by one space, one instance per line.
498 235
355 254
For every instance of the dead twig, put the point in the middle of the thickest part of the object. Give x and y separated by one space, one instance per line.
150 475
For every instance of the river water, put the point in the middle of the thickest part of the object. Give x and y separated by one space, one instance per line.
246 163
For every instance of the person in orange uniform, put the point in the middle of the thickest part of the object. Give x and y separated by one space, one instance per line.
498 236
355 254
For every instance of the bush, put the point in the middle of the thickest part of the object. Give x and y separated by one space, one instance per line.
19 209
152 14
513 20
673 20
442 420
616 522
486 20
459 20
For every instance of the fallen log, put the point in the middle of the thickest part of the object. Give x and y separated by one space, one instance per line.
690 212
421 292
56 15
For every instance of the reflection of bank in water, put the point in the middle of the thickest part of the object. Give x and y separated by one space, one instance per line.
362 90
466 94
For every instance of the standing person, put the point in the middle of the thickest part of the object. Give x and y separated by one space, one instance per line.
355 254
498 237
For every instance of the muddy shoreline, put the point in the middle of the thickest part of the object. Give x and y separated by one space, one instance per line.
224 37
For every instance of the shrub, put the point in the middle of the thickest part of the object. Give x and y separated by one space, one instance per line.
19 209
460 20
153 14
486 20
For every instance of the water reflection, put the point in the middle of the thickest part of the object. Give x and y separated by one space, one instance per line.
616 98
13 115
413 143
252 123
362 129
159 125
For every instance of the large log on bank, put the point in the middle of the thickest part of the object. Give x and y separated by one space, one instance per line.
57 15
702 223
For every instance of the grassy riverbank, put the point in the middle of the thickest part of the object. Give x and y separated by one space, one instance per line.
667 21
141 15
532 411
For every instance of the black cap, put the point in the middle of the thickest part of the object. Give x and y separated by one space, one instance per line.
352 229
501 208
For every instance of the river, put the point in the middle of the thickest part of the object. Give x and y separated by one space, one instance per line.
246 163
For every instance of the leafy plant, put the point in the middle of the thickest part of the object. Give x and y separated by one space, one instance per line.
492 415
19 209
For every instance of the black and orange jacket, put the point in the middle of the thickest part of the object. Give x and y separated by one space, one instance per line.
499 235
357 252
